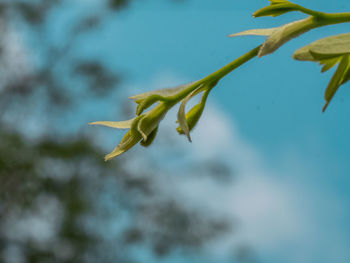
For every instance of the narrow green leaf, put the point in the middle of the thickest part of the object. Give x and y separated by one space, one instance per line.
328 47
346 76
148 102
114 124
278 1
139 129
329 63
280 35
336 80
147 99
303 54
116 151
195 113
181 116
334 45
321 56
255 32
161 93
272 11
129 140
285 33
277 9
150 120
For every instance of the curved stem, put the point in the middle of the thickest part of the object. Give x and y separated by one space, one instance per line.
319 14
212 79
310 11
219 74
316 19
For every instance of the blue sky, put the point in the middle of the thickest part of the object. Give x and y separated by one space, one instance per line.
264 119
275 101
273 109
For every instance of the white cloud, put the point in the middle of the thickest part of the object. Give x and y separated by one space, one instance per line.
15 59
255 197
276 212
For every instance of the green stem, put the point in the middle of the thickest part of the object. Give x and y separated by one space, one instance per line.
294 29
219 74
336 18
324 19
212 79
309 11
319 14
317 19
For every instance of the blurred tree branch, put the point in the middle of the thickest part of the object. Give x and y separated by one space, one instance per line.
59 202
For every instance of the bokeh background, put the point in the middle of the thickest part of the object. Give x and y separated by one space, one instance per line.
266 179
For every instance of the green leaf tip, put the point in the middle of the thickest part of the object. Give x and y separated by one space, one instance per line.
194 114
329 52
277 8
278 36
277 1
181 116
280 7
143 128
255 32
340 77
147 99
129 140
114 124
325 48
329 63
